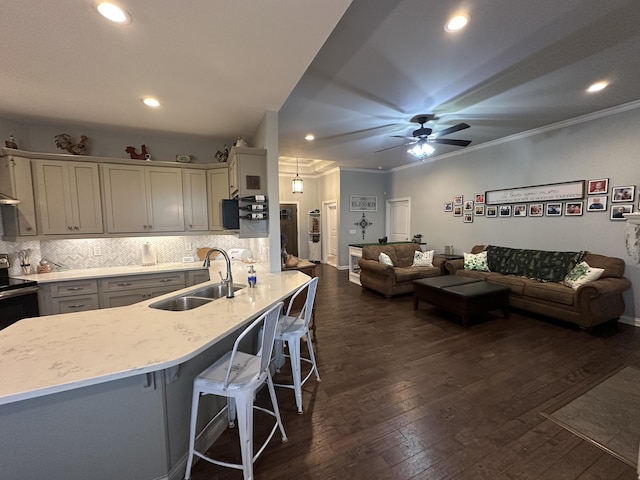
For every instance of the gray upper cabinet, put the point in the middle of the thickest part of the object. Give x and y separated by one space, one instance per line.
68 197
16 182
142 199
218 190
194 187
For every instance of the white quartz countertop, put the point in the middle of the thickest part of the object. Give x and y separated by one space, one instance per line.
103 272
44 355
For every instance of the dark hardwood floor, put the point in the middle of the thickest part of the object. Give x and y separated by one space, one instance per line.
412 395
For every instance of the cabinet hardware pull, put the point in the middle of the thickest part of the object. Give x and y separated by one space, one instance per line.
74 289
69 227
165 280
124 284
78 305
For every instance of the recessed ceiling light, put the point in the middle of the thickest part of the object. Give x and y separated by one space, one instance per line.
150 102
309 137
596 87
113 12
457 22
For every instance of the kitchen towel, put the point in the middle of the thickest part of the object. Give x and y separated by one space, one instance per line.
148 254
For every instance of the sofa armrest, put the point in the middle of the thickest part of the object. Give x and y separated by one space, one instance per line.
441 264
453 266
602 287
375 267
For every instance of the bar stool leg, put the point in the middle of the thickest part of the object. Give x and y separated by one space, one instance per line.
312 356
244 408
192 428
296 370
276 409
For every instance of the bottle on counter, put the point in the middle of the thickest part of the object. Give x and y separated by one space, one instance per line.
252 279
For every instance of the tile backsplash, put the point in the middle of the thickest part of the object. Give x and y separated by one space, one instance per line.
81 253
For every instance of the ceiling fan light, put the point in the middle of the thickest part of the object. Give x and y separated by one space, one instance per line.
309 137
114 13
596 87
421 150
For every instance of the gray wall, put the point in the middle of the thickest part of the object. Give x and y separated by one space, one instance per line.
605 147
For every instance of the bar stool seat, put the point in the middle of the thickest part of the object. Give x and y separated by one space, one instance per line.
237 376
291 329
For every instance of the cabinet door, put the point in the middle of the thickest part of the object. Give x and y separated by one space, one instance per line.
121 299
74 304
16 181
125 198
197 276
218 190
53 197
85 197
194 183
233 175
164 199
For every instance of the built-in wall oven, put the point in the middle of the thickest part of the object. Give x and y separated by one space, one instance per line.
18 298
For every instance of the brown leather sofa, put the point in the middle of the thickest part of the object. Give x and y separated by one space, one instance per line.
397 279
591 304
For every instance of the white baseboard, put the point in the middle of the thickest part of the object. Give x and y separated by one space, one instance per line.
630 321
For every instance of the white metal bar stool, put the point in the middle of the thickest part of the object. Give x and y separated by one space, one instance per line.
291 329
237 376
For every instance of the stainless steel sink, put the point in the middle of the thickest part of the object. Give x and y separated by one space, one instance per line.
195 298
215 290
180 304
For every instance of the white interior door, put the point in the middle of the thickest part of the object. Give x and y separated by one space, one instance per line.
398 219
330 253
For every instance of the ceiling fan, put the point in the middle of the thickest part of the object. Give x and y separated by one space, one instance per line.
423 136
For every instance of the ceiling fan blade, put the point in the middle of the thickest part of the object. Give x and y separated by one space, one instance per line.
395 146
455 128
453 141
404 137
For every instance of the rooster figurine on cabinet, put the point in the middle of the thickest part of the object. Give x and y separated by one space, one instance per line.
138 156
66 142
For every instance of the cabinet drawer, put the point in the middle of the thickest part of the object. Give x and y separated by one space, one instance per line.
175 281
74 288
80 303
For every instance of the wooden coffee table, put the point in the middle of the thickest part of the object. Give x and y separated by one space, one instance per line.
461 295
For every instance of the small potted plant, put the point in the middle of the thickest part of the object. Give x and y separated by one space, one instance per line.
417 238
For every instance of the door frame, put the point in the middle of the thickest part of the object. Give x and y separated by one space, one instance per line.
297 204
387 222
324 235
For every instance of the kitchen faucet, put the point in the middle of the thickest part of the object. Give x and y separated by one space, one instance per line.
228 280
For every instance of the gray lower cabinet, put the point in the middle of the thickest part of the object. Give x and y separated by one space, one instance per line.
67 297
195 277
121 291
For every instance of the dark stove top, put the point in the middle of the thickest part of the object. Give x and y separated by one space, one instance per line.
15 283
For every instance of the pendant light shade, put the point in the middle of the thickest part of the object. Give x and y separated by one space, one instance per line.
296 183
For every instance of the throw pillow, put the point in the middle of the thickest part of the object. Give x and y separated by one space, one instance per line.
477 261
581 274
384 258
423 259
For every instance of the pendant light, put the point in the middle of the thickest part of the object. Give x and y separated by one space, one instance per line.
296 183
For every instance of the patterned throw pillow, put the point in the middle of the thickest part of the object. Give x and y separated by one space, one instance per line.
581 274
476 261
423 259
384 258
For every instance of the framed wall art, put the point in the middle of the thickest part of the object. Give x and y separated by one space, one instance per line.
597 204
468 206
539 193
554 209
479 210
536 210
504 210
457 199
618 211
468 217
573 208
363 203
598 186
457 210
623 194
479 198
491 211
448 206
519 210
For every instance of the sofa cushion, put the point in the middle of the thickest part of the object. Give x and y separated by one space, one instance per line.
550 291
422 259
476 274
516 284
546 266
409 274
581 274
384 258
476 261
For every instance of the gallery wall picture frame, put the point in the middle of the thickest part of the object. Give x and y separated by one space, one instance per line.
457 210
479 210
624 194
538 193
520 210
363 203
468 217
468 206
597 203
448 206
504 210
536 210
491 211
479 198
572 209
598 186
617 211
457 199
553 209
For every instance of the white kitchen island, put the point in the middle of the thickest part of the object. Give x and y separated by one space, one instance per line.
106 394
